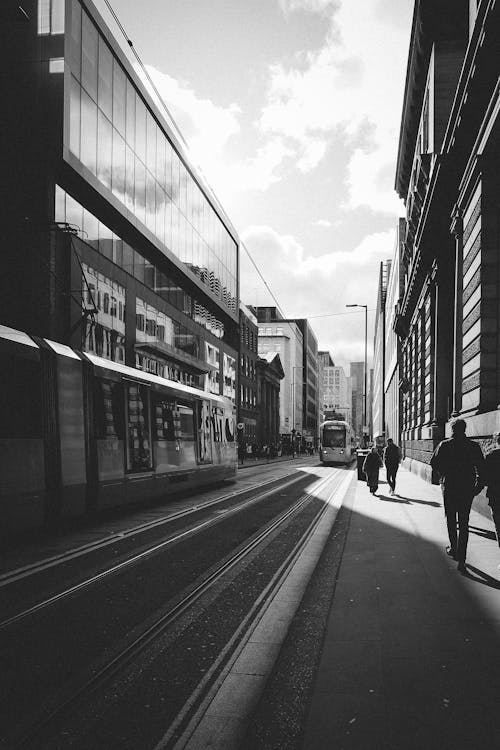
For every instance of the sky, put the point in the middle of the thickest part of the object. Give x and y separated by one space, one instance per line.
292 110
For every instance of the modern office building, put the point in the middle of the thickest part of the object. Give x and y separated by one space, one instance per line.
447 174
378 392
112 241
324 360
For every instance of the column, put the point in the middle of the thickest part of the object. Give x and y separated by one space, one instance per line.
457 229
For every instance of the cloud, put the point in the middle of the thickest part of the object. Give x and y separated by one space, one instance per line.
322 223
346 92
310 6
312 286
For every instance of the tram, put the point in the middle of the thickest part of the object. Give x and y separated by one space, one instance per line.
79 434
337 442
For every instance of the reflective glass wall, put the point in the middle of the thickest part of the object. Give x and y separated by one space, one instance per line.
115 135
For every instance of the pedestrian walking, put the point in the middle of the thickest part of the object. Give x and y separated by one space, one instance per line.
460 463
392 459
492 479
371 467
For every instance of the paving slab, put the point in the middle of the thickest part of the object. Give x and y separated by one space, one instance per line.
410 653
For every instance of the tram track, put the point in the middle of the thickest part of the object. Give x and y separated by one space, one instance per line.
156 629
271 487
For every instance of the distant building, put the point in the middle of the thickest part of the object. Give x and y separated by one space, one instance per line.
324 360
377 401
335 394
269 375
248 411
357 400
392 386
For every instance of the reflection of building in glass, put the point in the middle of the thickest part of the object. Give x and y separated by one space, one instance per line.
126 251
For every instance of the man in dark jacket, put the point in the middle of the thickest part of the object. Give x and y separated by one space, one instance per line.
460 464
392 457
492 479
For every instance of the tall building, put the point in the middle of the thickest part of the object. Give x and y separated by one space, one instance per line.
393 394
377 400
248 410
113 242
448 176
285 338
324 360
357 397
304 372
335 394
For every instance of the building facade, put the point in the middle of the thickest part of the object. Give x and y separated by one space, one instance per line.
392 387
324 360
284 338
378 391
335 394
357 378
448 177
117 245
247 377
269 376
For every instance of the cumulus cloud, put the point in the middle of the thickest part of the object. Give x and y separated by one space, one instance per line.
310 6
322 223
332 280
347 89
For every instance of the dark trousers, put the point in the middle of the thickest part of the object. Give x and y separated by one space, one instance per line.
391 472
458 507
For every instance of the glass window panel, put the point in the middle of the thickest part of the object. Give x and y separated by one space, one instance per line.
140 129
88 140
189 244
140 190
117 251
104 149
57 17
168 222
139 267
168 167
149 275
74 213
150 201
105 241
105 79
182 238
60 204
175 230
89 56
161 146
160 213
118 173
75 51
90 229
128 259
119 97
175 177
150 143
130 116
129 178
182 188
74 117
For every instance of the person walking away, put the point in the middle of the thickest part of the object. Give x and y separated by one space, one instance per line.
460 463
492 479
371 467
392 459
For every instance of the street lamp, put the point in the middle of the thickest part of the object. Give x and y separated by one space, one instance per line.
366 340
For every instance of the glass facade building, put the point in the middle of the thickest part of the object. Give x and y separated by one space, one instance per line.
129 255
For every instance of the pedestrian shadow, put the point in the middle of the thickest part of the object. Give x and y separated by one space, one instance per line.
409 500
394 499
481 577
486 533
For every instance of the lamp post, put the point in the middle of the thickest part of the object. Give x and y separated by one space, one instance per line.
366 340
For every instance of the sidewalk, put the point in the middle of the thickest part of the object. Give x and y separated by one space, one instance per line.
411 652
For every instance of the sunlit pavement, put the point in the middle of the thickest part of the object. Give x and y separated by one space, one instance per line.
410 657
